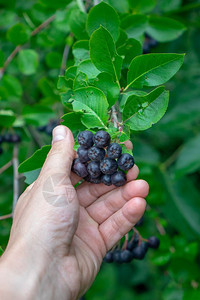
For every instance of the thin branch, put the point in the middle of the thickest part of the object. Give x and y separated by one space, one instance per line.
15 176
160 228
43 25
64 59
16 50
114 117
6 217
6 166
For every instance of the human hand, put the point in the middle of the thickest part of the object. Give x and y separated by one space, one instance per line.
60 234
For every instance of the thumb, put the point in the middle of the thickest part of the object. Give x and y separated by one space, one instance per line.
61 155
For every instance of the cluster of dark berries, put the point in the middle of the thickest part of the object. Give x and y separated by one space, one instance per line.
135 249
149 43
100 161
49 127
11 138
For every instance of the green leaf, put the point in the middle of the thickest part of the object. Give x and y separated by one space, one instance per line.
81 80
134 25
2 58
87 67
37 115
55 4
71 72
103 53
18 34
1 251
7 118
153 69
103 15
36 161
123 37
162 259
73 121
28 61
141 112
12 85
31 176
80 51
95 112
105 82
189 159
77 24
53 59
124 96
169 5
129 50
142 6
122 6
182 205
164 29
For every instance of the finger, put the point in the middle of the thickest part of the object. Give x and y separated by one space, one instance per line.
75 178
117 225
128 145
61 154
111 202
88 192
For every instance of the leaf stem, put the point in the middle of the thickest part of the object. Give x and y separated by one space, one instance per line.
64 59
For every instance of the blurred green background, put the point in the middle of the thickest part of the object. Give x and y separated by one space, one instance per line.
168 154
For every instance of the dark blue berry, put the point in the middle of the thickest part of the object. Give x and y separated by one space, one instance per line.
7 138
80 169
94 169
83 154
106 179
114 150
125 162
85 139
95 180
153 242
133 243
42 128
101 139
15 138
95 153
126 256
108 166
108 257
140 251
118 178
117 257
140 222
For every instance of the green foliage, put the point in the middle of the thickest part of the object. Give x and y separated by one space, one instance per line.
85 62
28 61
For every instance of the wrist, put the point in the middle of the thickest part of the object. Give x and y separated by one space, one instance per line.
20 273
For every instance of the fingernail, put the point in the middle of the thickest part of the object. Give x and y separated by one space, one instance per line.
59 134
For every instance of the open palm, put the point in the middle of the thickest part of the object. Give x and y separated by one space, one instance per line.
61 234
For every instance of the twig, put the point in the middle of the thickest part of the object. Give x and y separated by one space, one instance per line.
64 59
6 217
160 228
16 50
43 25
114 117
15 176
6 166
